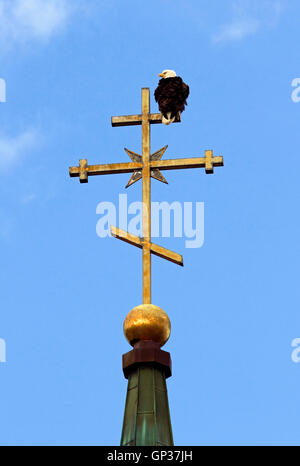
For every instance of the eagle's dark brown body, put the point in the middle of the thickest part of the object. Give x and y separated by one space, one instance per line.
171 95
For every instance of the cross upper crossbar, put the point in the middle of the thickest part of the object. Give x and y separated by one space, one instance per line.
135 120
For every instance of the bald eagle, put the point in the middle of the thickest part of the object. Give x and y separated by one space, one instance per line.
171 94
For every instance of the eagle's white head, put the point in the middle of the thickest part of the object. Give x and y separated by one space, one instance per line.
167 74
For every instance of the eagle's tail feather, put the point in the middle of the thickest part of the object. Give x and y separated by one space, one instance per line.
168 119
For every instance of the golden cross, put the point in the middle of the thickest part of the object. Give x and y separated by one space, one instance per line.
144 167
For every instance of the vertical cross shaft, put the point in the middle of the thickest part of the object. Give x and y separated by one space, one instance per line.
146 195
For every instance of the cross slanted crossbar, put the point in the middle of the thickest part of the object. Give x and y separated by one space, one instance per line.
144 167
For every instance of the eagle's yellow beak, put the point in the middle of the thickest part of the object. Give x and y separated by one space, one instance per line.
161 75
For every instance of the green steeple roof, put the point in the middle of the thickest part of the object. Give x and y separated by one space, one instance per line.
147 417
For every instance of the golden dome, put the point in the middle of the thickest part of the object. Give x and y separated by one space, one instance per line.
147 322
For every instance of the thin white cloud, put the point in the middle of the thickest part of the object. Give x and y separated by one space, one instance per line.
236 30
249 17
28 198
14 149
23 20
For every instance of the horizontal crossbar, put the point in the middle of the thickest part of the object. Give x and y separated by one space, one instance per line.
105 169
132 120
84 170
179 164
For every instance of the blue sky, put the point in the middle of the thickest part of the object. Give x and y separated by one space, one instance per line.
69 66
